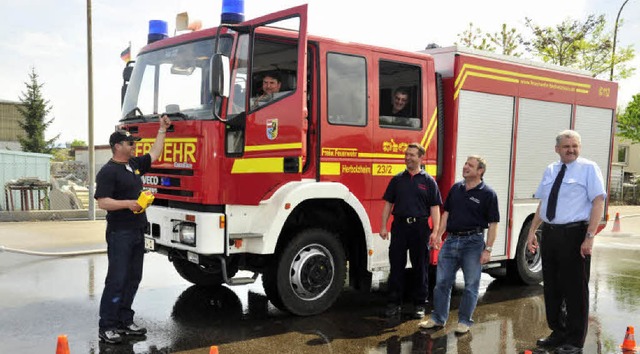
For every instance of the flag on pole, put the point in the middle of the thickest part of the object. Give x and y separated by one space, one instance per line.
126 54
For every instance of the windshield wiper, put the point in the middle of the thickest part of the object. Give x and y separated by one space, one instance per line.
137 113
176 114
132 114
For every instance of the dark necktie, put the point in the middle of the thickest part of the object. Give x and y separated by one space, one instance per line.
553 196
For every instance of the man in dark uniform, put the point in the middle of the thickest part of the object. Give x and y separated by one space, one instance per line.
118 185
414 196
471 206
571 205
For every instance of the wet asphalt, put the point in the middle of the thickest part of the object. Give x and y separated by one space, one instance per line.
43 297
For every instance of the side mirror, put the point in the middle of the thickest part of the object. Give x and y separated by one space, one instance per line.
220 75
126 76
126 72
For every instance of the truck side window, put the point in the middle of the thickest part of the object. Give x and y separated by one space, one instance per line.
400 95
347 89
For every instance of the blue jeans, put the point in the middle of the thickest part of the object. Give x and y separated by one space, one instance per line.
458 252
125 251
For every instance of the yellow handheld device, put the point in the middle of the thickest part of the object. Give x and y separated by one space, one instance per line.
144 200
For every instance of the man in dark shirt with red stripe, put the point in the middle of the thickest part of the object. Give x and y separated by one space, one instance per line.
414 197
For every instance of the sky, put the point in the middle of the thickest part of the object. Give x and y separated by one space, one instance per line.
51 36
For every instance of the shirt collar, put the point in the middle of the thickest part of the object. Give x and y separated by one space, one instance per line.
422 172
479 186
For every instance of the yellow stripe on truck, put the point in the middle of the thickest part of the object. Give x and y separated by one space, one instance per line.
258 165
330 168
261 165
273 147
377 169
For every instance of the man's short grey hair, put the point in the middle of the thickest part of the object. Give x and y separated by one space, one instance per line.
482 163
568 134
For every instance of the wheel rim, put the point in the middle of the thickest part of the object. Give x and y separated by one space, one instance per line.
534 260
311 272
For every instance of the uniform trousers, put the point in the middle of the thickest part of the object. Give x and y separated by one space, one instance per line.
566 281
415 238
125 251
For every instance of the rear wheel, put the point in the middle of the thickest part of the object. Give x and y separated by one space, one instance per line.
527 266
497 273
308 274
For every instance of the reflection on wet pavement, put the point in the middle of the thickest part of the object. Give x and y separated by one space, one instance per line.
45 297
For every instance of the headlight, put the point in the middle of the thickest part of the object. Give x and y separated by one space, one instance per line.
187 233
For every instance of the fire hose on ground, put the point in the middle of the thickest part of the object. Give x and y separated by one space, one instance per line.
52 254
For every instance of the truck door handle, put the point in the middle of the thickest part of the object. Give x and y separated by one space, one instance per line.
291 164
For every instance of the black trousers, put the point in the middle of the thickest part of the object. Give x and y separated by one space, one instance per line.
415 238
125 251
566 281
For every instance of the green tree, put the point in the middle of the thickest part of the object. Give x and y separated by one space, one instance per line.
508 39
34 110
506 42
579 44
474 38
629 121
595 55
78 143
61 155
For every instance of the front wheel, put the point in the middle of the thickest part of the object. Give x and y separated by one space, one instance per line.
308 274
527 266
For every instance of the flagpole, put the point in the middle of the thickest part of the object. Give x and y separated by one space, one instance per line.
92 166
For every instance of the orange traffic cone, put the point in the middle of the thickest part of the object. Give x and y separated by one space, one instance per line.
63 345
616 224
629 342
213 350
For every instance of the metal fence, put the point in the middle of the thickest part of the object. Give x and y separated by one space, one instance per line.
62 193
627 194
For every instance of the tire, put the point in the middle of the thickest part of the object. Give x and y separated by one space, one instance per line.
497 273
527 266
199 275
308 274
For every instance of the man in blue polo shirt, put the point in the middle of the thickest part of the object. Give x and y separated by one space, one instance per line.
414 196
471 206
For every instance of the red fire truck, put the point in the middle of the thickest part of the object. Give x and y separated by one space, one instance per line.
292 188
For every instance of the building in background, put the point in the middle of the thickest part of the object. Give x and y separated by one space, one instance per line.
102 155
625 167
9 127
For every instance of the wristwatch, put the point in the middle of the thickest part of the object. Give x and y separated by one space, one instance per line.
488 249
590 234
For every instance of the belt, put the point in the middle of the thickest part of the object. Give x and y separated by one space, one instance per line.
466 233
411 219
566 226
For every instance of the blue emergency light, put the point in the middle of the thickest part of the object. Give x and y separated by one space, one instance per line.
232 11
157 31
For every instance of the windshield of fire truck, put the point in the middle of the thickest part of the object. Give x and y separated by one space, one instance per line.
173 80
